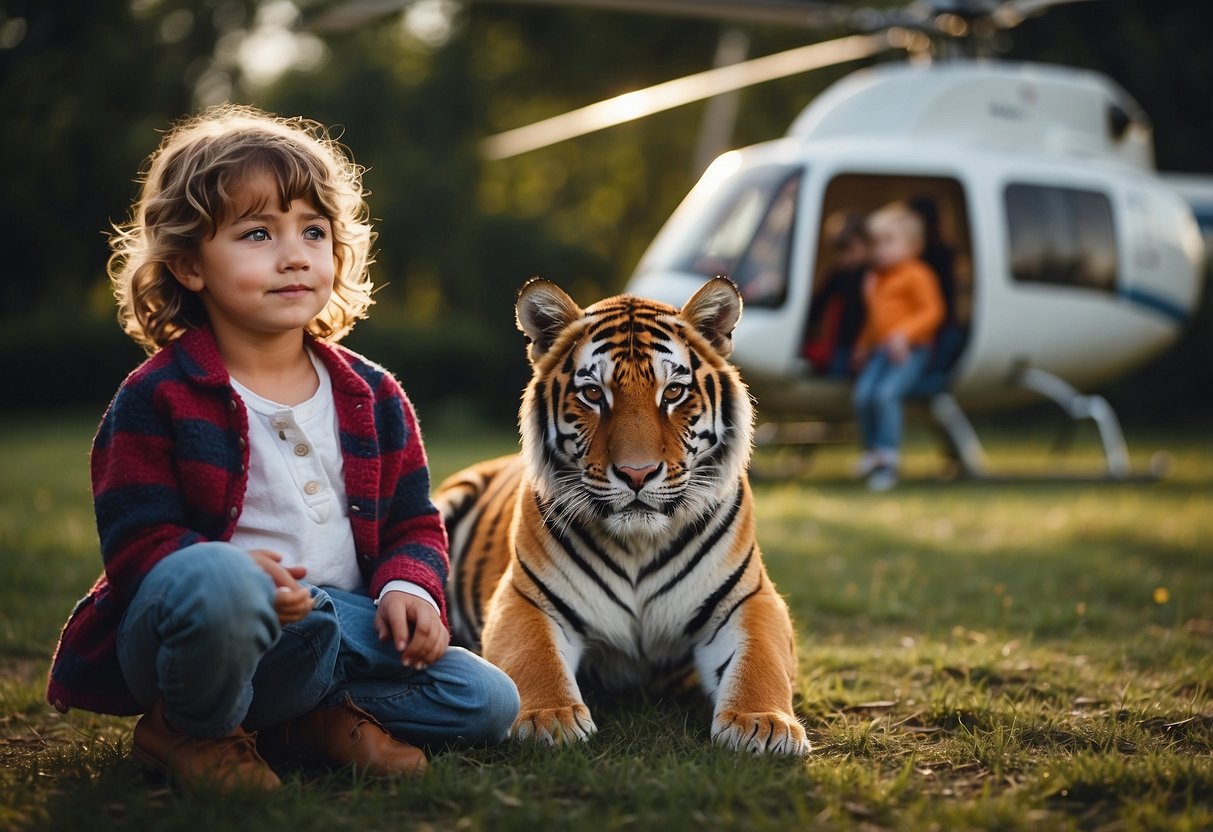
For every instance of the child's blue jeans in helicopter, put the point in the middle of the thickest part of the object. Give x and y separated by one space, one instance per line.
879 391
201 632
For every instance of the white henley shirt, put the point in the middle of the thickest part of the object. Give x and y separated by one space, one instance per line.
295 503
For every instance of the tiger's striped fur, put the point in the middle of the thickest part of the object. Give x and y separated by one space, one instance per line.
619 545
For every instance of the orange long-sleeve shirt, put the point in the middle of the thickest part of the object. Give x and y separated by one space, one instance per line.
903 298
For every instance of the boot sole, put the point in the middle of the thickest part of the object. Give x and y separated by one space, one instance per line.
150 763
159 769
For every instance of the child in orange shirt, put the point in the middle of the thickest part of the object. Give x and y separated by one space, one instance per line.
904 309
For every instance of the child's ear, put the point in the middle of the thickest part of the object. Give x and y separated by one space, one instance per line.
184 267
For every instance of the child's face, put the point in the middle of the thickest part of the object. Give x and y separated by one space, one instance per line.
266 271
892 243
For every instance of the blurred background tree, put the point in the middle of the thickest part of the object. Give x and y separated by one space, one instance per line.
87 84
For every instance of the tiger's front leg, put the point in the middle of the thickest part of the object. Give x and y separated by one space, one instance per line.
530 646
748 670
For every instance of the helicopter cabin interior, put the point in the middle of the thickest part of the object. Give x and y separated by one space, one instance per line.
940 203
752 240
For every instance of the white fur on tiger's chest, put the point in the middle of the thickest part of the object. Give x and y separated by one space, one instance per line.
648 650
638 631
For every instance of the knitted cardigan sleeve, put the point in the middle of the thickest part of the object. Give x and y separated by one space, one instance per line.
414 535
141 517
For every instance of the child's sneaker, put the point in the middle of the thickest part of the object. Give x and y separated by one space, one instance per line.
866 464
882 479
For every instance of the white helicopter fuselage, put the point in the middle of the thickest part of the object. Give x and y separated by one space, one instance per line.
1025 159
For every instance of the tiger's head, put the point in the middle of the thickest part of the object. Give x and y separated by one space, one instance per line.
633 420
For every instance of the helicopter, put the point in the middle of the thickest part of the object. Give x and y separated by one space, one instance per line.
1071 259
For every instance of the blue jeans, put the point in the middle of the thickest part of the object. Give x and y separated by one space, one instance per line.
201 632
878 393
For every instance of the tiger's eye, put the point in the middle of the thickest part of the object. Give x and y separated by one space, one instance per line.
592 393
673 392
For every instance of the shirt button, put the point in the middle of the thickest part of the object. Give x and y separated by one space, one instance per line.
312 487
301 449
279 423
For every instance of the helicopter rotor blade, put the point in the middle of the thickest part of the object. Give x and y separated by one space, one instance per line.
349 15
665 96
1014 12
807 13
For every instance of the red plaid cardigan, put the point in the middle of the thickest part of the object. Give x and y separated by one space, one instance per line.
170 468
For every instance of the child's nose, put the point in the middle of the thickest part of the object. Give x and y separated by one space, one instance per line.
295 258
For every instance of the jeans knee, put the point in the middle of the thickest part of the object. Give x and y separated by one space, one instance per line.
219 592
866 395
492 703
501 706
887 398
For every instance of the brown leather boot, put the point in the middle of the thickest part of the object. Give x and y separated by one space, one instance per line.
228 763
342 735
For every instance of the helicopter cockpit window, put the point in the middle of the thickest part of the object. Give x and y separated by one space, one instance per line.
1061 236
748 235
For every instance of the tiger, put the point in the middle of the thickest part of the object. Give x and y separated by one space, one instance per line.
618 547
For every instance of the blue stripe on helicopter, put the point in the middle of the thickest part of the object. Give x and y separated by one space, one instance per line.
1167 308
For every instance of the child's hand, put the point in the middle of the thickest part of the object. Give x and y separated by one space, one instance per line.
859 357
898 347
400 611
292 601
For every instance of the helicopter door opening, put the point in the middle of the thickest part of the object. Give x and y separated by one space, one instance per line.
836 311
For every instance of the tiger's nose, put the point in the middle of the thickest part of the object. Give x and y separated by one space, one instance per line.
636 475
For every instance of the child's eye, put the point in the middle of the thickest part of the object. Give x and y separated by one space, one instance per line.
256 235
315 232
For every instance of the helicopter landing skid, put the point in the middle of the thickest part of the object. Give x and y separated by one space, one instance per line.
967 453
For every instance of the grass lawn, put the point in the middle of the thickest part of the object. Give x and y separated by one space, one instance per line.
1022 656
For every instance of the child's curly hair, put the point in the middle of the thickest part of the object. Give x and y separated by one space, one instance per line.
186 197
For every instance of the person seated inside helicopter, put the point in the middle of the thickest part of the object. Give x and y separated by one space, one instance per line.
904 310
836 314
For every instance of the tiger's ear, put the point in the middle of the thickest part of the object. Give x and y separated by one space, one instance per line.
543 311
714 311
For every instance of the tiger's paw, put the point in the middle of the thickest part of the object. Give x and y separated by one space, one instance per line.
554 726
760 733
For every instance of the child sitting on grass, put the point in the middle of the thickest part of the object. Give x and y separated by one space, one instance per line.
250 453
904 309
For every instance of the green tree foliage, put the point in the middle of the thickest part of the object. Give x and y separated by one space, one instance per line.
86 85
